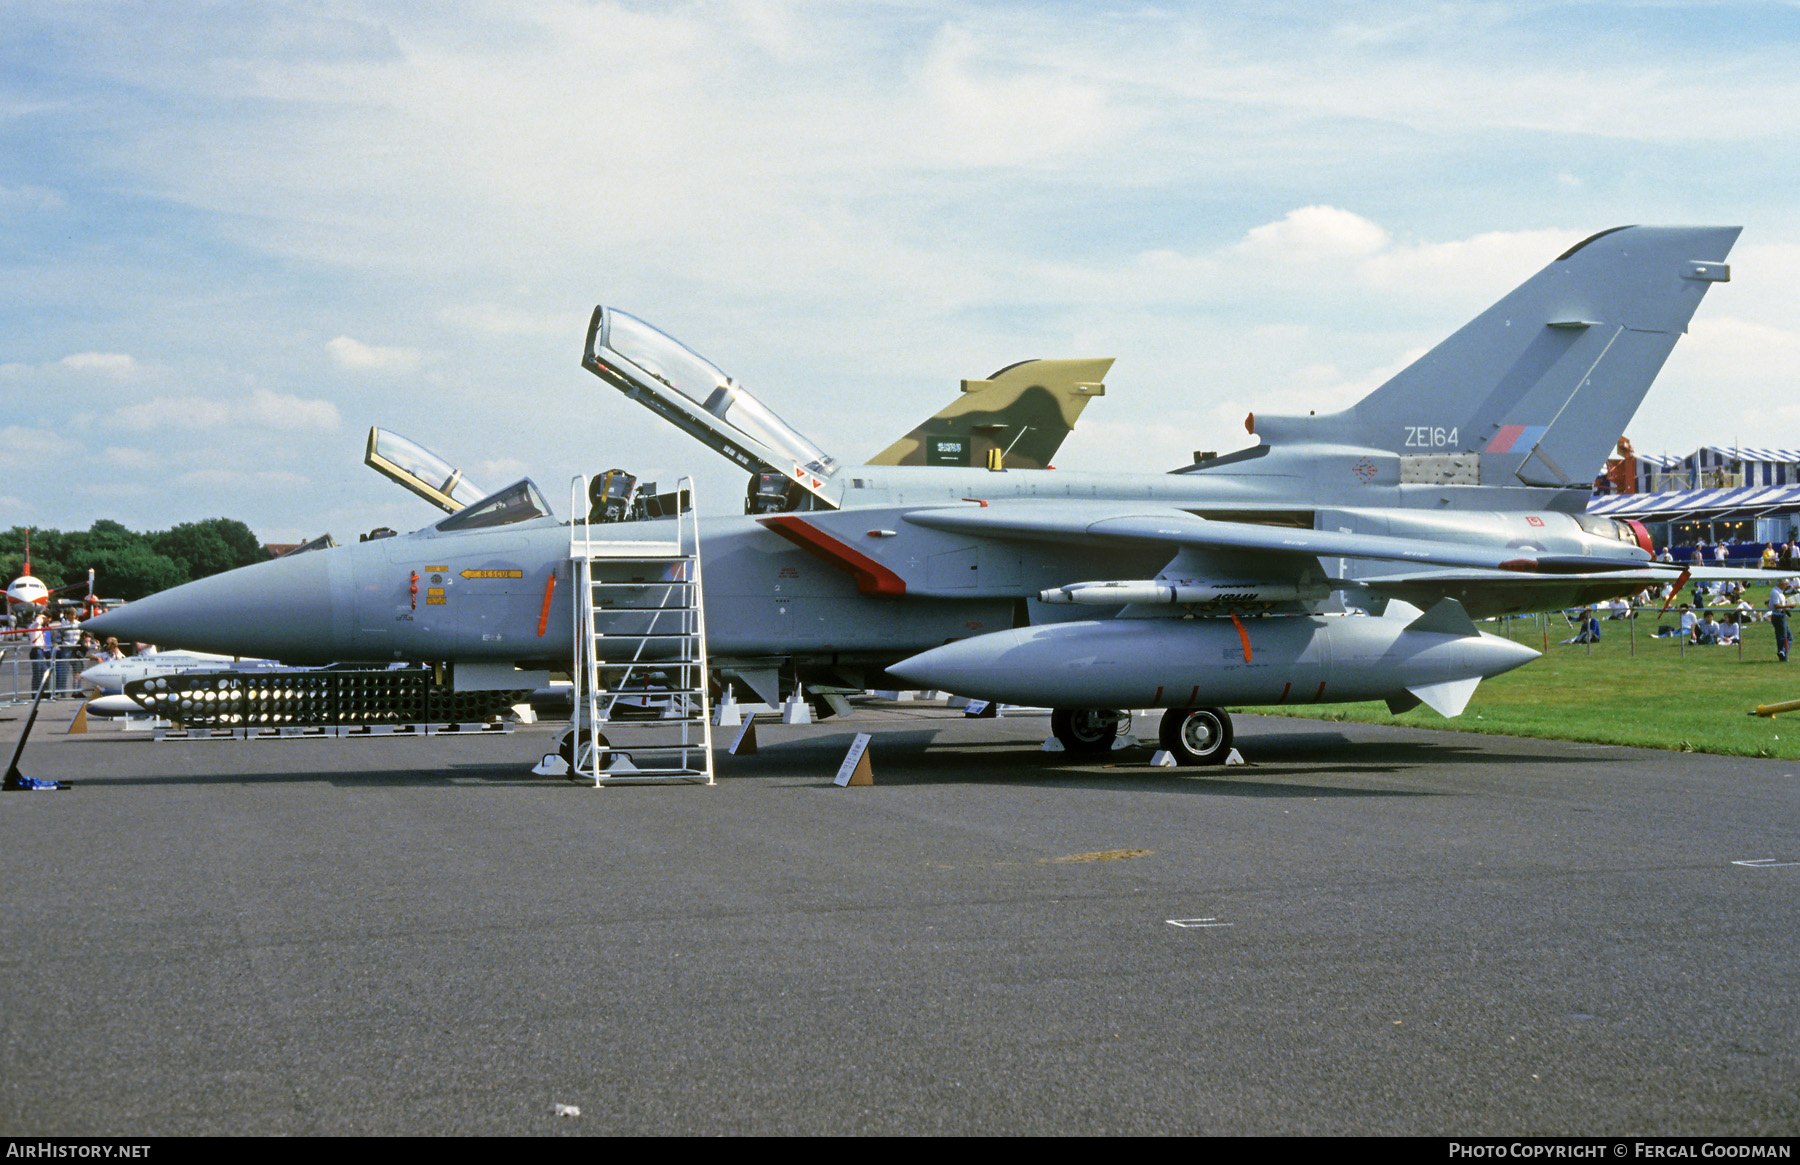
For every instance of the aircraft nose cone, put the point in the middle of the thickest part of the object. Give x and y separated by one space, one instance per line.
274 610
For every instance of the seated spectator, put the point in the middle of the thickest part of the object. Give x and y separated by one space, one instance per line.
1689 621
1590 629
1707 630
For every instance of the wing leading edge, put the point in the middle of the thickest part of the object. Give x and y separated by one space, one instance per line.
1074 522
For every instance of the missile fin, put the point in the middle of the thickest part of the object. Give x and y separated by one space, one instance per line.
1446 617
1449 698
1403 703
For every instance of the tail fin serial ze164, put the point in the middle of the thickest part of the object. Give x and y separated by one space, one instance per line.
1344 557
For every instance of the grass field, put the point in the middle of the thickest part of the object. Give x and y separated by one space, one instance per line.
1648 694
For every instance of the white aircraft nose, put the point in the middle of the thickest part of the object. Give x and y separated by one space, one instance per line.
107 679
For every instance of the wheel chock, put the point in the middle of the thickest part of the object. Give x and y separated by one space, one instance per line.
553 765
1164 759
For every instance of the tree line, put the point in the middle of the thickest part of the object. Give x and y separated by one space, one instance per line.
126 564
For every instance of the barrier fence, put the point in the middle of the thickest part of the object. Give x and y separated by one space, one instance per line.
1557 627
19 674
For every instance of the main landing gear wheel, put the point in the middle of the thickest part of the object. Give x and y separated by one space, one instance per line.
1197 736
565 747
1088 730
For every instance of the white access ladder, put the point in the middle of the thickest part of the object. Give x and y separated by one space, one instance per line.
643 714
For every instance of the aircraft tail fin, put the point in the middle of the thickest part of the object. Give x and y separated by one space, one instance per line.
1025 410
1535 390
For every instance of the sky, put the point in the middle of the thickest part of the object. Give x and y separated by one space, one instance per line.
235 236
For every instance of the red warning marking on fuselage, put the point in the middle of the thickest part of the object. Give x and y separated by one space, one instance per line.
1243 635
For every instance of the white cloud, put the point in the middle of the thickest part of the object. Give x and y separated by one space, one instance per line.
842 204
494 320
500 471
261 409
112 365
360 357
227 480
127 457
1313 233
27 449
984 106
29 197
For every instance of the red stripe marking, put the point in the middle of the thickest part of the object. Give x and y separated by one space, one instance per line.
1156 700
1243 636
1285 688
1320 694
544 615
872 578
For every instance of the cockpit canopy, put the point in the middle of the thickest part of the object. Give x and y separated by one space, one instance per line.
519 502
684 387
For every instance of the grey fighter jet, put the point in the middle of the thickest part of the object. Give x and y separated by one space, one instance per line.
1344 557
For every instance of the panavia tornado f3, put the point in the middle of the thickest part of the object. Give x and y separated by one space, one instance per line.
1344 557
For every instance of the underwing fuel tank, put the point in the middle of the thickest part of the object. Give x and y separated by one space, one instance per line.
1404 657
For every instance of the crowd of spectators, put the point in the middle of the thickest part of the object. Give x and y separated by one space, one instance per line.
62 647
1713 612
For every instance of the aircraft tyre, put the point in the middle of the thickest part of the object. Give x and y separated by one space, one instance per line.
1197 736
1088 730
565 747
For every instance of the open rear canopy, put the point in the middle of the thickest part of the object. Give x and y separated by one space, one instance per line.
677 383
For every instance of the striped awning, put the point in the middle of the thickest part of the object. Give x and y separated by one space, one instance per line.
1736 453
1743 501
